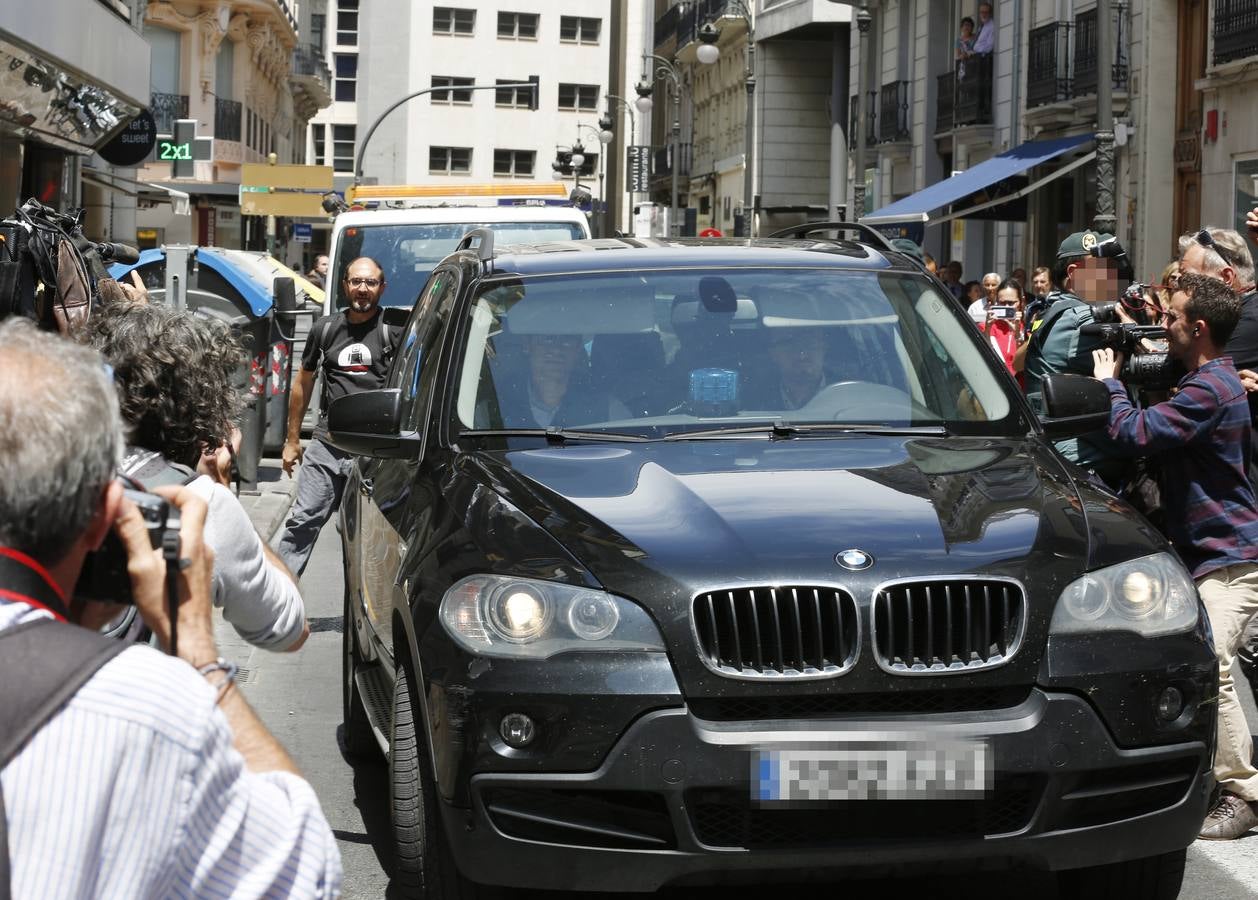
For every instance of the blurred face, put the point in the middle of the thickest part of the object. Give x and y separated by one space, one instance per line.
953 272
1041 284
1008 297
975 291
364 283
984 12
799 354
991 281
1094 280
552 357
966 29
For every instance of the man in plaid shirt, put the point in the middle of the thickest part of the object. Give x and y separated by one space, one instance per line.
1203 436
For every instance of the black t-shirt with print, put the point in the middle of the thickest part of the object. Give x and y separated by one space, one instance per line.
353 356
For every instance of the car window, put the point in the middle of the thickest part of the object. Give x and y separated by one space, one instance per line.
408 253
662 352
412 372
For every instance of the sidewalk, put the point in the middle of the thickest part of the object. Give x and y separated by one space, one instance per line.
268 507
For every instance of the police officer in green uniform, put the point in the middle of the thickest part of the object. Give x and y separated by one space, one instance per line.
1057 346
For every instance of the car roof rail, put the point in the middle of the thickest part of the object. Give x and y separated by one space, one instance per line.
483 238
867 233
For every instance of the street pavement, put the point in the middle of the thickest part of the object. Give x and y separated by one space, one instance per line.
298 696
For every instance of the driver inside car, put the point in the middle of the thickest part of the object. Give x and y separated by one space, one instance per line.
798 370
559 390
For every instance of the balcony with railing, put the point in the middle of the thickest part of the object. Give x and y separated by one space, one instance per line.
1084 78
227 119
871 119
663 161
1235 30
680 23
945 101
166 108
893 112
1048 64
311 81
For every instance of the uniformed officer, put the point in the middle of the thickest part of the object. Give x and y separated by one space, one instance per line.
1057 346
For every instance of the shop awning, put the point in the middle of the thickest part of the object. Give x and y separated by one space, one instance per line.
918 207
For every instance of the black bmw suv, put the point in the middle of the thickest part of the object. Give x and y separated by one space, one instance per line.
674 563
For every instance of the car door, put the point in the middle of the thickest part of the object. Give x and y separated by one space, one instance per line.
384 486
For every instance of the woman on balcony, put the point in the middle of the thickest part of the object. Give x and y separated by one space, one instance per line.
965 45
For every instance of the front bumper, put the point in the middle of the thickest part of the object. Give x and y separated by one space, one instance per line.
671 804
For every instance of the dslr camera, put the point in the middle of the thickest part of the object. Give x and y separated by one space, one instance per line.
104 576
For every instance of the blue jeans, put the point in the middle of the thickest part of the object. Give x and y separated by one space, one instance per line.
320 483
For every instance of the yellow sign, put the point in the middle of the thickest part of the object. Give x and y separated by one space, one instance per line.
146 234
282 203
307 178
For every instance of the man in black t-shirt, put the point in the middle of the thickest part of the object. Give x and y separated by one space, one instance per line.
353 348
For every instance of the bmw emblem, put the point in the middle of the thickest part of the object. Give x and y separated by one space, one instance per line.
854 560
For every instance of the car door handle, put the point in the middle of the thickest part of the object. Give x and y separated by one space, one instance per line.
366 487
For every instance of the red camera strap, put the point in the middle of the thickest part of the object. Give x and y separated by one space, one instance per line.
24 580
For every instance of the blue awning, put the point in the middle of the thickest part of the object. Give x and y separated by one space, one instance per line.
254 286
917 207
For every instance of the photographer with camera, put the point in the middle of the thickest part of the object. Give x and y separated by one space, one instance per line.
1202 439
174 370
1088 269
125 772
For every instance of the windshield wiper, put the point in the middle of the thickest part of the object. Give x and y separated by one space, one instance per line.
781 430
553 435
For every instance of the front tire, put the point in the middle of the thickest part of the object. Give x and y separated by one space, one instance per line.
1151 878
423 866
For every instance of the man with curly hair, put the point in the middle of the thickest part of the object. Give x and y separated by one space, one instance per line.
174 372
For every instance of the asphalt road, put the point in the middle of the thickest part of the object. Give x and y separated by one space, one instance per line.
298 696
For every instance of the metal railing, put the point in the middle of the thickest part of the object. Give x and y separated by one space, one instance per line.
1235 30
1048 64
308 61
974 91
945 101
166 108
893 112
871 119
662 165
227 119
1084 80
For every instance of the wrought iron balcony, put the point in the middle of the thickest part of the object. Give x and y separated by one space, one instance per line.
1084 81
945 101
974 91
311 80
666 25
166 108
893 112
227 118
871 119
663 160
1235 30
1048 64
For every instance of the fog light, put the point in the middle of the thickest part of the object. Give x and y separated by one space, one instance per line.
1170 704
517 730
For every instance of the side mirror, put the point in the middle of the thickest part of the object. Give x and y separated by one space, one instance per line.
368 424
1074 405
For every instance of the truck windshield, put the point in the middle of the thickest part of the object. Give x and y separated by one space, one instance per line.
661 353
408 253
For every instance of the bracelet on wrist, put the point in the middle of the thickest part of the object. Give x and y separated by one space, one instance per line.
226 671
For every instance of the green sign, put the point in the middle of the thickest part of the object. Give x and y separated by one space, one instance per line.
184 148
169 150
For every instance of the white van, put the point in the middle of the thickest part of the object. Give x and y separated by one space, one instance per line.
408 243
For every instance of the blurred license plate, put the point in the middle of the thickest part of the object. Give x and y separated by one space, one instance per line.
870 771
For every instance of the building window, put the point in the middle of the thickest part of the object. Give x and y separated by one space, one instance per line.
346 76
514 162
451 96
318 137
318 24
347 23
449 20
512 98
517 25
449 160
578 96
579 29
343 138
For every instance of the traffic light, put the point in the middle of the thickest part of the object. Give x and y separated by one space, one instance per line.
535 93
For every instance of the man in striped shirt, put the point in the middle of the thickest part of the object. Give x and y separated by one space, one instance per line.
1202 436
155 779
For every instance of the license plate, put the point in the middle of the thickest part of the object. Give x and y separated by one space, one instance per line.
944 770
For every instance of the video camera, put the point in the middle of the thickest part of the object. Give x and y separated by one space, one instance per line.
1154 371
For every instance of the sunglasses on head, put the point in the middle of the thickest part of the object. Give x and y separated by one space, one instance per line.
1206 239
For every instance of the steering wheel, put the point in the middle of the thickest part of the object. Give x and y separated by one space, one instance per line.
859 401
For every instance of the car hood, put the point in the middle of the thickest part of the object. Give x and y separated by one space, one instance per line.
710 513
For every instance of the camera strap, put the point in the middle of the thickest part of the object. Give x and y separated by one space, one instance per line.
24 580
43 663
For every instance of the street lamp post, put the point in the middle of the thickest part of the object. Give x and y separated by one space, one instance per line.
708 53
633 131
1106 220
604 136
863 19
664 69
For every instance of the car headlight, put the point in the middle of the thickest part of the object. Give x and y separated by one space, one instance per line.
496 615
1152 596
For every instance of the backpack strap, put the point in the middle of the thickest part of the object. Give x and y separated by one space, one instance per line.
152 469
43 663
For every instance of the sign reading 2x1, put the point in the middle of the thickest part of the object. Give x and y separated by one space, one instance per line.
169 150
184 148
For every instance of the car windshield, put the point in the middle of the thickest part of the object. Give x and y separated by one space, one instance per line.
671 353
408 253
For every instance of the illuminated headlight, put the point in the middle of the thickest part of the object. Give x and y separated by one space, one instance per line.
1151 596
494 615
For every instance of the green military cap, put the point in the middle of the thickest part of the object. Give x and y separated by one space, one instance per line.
1081 243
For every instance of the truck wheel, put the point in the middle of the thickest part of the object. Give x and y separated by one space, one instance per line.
1151 878
423 866
356 731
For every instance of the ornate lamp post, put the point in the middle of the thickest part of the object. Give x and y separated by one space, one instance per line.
665 70
708 53
863 20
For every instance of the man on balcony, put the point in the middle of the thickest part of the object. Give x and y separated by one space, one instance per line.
985 43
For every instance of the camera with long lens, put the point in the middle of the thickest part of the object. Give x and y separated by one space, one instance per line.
104 576
1132 302
1152 371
